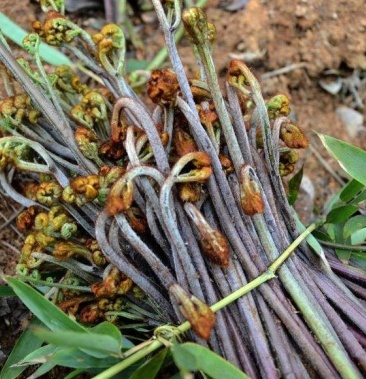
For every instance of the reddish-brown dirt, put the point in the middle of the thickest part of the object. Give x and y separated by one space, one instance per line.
309 39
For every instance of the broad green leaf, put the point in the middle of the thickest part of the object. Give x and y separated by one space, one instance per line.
341 214
207 361
43 309
338 233
26 343
75 358
40 355
6 291
150 369
353 225
343 255
332 231
294 186
14 32
319 235
99 345
108 329
351 158
358 237
350 190
126 343
184 360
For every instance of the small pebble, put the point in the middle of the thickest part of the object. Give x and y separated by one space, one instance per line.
305 202
351 119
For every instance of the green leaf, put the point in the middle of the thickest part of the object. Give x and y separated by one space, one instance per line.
310 239
341 214
359 259
176 376
350 190
343 255
68 332
40 355
150 369
75 358
358 237
135 64
108 329
126 343
359 198
184 360
26 343
43 369
14 32
353 225
331 231
98 345
319 235
74 374
351 158
111 330
6 291
43 309
294 186
193 357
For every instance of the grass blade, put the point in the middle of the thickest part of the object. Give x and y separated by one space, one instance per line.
27 343
99 345
38 356
43 369
294 186
77 359
6 291
48 313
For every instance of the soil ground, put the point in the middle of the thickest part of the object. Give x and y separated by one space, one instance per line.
316 43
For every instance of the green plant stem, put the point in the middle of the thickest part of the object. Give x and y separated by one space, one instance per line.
155 344
58 285
227 128
267 275
341 246
52 94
